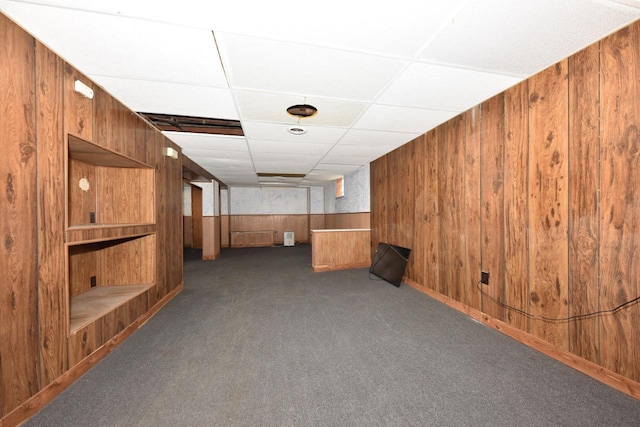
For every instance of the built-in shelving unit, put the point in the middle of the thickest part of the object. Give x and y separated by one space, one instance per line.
110 233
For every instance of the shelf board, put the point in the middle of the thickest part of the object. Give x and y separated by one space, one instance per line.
87 152
92 305
81 234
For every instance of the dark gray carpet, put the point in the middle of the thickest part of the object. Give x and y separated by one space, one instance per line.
257 339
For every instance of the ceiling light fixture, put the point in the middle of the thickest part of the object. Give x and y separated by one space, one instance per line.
297 130
302 110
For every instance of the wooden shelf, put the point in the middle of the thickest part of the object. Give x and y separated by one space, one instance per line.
80 234
87 152
99 301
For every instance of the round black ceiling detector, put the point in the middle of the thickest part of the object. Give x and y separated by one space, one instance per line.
302 110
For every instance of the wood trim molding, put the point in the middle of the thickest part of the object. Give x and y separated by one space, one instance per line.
23 412
597 372
321 268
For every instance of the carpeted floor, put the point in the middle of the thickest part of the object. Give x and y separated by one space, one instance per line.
257 339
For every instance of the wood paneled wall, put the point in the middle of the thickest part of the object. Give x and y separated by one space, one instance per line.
38 110
540 186
346 220
339 250
299 224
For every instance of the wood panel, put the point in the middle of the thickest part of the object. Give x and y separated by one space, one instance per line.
78 109
217 226
378 201
162 224
299 224
224 231
173 260
451 201
124 195
548 202
492 199
94 233
134 258
516 210
82 343
51 208
584 146
431 213
317 222
619 196
342 249
347 220
19 378
210 238
196 215
82 200
418 252
252 239
187 228
472 205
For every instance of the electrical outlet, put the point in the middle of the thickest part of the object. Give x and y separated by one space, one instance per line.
93 281
484 277
92 217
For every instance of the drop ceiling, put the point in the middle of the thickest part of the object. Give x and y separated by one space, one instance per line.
380 73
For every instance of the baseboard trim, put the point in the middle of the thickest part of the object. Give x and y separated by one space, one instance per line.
595 371
36 402
321 268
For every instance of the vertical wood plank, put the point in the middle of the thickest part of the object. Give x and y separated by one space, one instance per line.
52 299
420 239
82 343
101 123
548 202
492 200
82 201
451 199
78 110
620 196
380 189
406 202
196 212
516 211
82 265
472 205
584 152
431 222
444 250
19 361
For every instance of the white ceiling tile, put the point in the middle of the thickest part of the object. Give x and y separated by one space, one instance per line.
316 176
282 167
286 157
372 137
273 66
279 132
270 107
336 167
400 29
259 146
216 143
180 99
522 37
368 153
109 45
402 119
444 88
346 160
